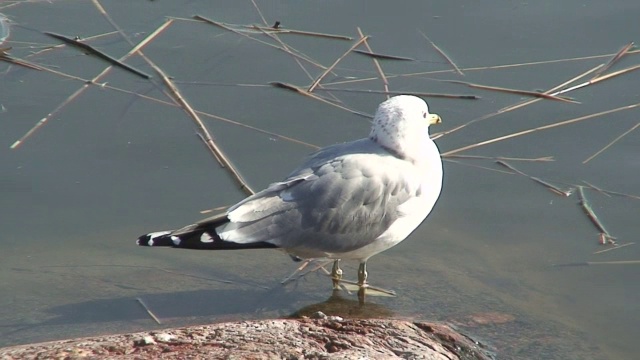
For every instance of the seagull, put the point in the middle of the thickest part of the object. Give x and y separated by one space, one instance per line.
347 201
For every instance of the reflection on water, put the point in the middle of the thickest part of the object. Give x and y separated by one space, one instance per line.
110 166
347 307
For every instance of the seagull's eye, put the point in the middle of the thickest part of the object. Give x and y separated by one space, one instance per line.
424 114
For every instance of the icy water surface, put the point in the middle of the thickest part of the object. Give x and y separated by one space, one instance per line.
109 165
4 28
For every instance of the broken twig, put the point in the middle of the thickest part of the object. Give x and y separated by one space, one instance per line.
541 159
605 236
599 79
587 263
86 84
514 91
383 56
435 95
280 30
551 187
611 143
228 28
613 60
603 192
443 54
545 127
328 70
204 133
99 54
4 56
516 106
383 77
153 316
615 247
300 91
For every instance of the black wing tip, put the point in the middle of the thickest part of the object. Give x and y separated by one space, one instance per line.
160 238
198 240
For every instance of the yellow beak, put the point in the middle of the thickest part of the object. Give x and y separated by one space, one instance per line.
434 119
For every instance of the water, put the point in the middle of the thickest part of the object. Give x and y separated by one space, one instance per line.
109 167
4 28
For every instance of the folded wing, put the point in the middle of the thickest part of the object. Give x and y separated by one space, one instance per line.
333 204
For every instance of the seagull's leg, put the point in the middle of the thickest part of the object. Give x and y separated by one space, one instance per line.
362 281
336 274
362 274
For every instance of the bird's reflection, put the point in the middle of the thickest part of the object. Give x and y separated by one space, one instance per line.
340 305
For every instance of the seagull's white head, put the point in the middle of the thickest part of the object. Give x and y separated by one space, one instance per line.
401 125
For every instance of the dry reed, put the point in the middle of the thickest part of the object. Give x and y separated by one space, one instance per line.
443 54
551 187
376 63
604 234
330 68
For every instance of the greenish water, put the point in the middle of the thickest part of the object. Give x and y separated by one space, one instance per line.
110 166
4 28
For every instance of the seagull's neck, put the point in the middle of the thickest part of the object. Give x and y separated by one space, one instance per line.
414 147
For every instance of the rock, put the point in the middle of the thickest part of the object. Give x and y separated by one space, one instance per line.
146 340
318 315
164 337
325 338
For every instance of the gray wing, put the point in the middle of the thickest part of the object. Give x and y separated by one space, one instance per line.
340 200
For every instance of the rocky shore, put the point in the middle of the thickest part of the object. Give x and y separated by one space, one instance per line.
323 337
